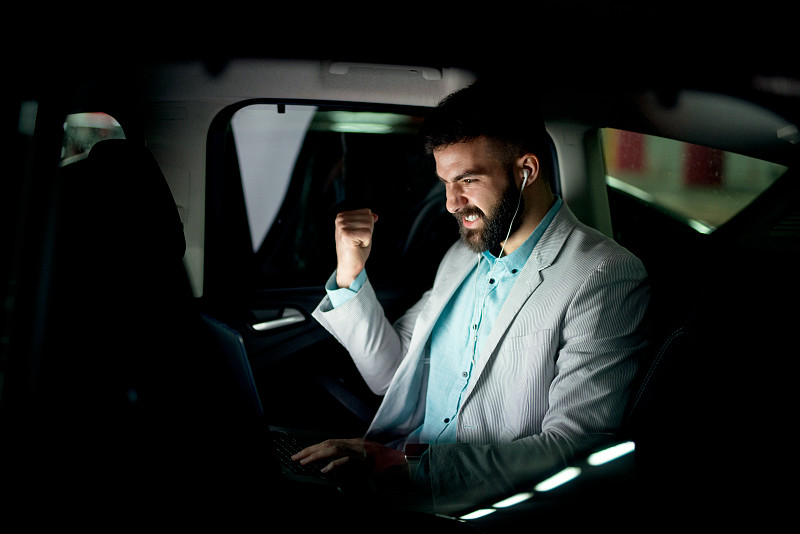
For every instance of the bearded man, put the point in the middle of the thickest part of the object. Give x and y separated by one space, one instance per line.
524 348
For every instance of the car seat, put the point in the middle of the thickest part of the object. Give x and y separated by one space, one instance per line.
133 395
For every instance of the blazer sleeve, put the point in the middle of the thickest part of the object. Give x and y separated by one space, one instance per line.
376 345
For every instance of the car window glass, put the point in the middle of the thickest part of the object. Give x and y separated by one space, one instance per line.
268 142
700 186
83 130
301 165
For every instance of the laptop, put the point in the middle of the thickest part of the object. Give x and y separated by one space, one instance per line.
283 442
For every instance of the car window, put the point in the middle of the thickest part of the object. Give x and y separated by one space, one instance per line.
83 130
300 165
267 142
699 186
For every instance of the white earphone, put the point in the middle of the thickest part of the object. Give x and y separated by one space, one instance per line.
524 179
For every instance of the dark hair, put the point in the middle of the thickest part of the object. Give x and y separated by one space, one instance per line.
510 118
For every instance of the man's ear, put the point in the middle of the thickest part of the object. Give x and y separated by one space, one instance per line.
528 163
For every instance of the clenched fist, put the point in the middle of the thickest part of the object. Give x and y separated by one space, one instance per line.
353 244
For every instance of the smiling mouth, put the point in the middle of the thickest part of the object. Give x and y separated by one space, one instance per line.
468 215
469 220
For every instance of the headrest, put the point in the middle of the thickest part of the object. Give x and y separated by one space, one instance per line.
123 202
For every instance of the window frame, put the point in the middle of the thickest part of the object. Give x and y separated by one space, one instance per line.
219 280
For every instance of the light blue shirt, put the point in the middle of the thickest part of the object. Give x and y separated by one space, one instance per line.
463 325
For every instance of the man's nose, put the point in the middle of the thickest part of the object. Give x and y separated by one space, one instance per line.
455 198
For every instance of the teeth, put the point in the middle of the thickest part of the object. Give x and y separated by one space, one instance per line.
471 218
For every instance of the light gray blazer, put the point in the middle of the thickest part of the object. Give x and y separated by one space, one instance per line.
561 360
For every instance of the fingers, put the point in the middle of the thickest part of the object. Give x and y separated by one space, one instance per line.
337 451
355 227
329 449
353 243
357 460
334 464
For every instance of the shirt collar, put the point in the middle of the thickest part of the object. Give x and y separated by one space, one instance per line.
515 261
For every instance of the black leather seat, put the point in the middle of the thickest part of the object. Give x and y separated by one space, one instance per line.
121 305
133 393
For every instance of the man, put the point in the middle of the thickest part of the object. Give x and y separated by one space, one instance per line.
522 351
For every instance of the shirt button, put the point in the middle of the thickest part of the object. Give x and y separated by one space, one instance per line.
491 280
446 419
464 374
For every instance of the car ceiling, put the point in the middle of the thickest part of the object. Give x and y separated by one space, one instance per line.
623 65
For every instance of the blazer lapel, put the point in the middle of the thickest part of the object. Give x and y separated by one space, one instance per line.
543 255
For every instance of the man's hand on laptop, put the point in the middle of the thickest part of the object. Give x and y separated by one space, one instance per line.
356 459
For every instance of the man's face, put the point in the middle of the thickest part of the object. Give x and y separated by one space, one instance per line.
479 192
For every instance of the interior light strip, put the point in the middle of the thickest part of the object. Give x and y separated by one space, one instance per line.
478 513
515 499
611 453
562 477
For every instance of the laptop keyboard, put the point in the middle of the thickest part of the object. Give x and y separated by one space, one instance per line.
284 445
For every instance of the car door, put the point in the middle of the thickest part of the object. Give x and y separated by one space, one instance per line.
278 175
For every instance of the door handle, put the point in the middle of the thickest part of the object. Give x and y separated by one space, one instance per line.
288 316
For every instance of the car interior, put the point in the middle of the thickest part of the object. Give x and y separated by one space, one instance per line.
171 231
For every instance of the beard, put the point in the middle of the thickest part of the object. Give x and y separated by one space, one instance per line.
495 225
